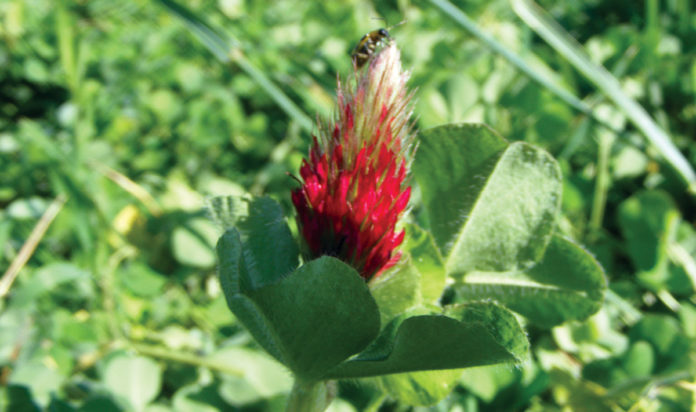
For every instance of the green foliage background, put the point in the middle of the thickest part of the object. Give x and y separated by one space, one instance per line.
121 111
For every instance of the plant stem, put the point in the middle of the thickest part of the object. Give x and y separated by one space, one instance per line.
311 396
129 186
31 243
183 357
602 183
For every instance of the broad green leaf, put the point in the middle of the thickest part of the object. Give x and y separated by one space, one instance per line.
156 407
270 252
226 211
579 394
100 403
648 221
49 278
321 314
249 314
233 273
663 333
397 290
419 279
568 284
687 317
491 205
639 360
451 167
142 280
427 260
310 320
231 266
511 222
487 381
192 243
198 398
17 398
41 379
420 388
138 379
467 335
29 208
260 376
57 405
341 405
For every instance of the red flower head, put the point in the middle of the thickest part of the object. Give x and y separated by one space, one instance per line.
355 188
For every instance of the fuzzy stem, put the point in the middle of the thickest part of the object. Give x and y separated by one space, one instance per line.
311 396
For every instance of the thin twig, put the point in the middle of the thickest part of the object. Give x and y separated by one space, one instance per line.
131 187
182 357
108 283
30 244
602 183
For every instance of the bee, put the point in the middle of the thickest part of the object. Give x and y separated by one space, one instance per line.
368 44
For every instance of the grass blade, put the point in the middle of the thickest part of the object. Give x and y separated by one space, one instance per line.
470 26
539 21
226 49
216 42
30 244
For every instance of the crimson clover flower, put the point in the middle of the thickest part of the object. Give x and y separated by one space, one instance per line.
354 187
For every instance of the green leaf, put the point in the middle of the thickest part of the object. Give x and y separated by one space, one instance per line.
142 280
310 320
233 274
450 167
487 381
198 398
467 335
54 277
511 222
639 360
17 398
567 284
232 268
420 388
226 211
100 403
491 205
260 376
664 334
579 394
419 279
42 380
427 260
648 221
397 290
28 208
322 313
270 252
192 243
138 379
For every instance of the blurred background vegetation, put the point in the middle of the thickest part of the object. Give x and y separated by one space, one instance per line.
118 119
